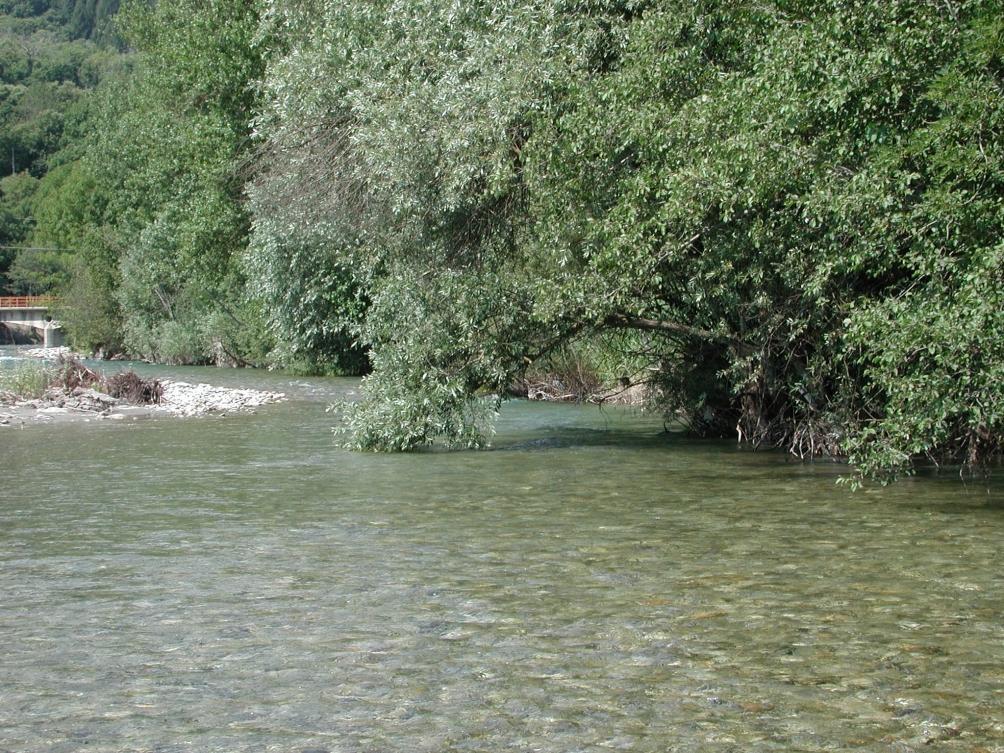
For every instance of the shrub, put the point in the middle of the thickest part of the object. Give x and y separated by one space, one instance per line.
27 380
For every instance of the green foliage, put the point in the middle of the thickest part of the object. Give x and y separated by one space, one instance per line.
397 177
90 18
16 193
162 234
45 74
313 305
933 355
438 345
70 209
42 78
89 313
36 271
34 120
66 19
25 380
796 207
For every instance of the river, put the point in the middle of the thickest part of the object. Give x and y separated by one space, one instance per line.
589 584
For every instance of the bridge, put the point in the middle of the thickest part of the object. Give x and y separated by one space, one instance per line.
30 312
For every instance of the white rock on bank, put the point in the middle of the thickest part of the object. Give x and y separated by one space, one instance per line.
184 399
50 354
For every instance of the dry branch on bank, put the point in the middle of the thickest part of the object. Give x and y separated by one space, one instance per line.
132 388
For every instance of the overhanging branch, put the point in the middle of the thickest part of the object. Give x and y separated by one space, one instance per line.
624 321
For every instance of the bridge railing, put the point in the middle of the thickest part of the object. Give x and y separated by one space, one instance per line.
27 301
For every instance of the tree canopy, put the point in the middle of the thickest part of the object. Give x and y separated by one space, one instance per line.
787 216
795 206
49 62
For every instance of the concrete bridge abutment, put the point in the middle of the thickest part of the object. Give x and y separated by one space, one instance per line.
29 314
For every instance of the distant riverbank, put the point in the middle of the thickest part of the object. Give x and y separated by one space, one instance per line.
33 392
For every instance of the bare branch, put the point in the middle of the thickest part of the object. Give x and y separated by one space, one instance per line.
676 328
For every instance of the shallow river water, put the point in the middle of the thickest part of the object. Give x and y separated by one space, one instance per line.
589 584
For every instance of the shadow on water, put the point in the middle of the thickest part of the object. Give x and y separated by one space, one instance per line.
563 437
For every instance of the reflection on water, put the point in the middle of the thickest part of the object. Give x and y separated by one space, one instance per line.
239 583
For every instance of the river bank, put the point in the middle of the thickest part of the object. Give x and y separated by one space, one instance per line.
179 399
39 394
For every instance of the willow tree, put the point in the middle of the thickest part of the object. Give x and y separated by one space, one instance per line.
390 206
795 205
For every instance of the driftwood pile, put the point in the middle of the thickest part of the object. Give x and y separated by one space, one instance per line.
72 375
131 387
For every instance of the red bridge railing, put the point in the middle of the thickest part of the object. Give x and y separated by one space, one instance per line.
27 301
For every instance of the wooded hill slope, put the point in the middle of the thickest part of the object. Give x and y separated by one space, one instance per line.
49 60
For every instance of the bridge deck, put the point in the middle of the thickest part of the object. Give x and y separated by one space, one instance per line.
27 301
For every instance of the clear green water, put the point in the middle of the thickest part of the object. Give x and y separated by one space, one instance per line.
240 584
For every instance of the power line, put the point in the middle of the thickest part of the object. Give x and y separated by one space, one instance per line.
37 248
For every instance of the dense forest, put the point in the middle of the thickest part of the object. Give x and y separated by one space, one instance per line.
785 219
52 53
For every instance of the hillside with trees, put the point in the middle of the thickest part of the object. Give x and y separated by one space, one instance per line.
51 54
785 218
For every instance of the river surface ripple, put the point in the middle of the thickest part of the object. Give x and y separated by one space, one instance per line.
590 584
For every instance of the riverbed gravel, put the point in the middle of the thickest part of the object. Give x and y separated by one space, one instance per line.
184 399
179 399
50 354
